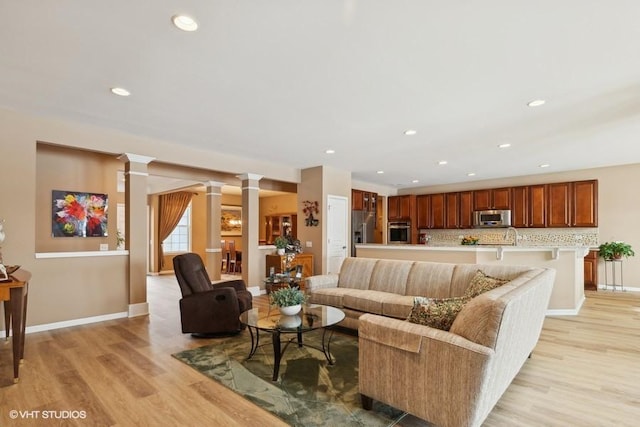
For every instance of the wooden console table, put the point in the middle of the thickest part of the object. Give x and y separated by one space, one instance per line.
303 259
14 294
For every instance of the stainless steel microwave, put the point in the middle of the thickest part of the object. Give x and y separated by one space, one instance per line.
492 218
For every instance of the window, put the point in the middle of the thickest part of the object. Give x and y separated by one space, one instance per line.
180 238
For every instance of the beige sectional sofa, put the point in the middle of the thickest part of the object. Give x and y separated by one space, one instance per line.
449 378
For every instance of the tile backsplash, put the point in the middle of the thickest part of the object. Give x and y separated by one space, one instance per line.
527 236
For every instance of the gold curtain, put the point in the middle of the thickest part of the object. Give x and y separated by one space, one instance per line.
172 207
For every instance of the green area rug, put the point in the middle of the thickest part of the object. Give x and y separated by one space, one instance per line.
309 392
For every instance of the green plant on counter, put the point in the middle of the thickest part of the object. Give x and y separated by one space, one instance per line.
615 250
281 242
287 297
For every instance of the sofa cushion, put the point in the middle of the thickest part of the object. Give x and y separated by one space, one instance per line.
436 312
481 283
355 273
431 279
332 296
398 306
463 273
390 276
367 301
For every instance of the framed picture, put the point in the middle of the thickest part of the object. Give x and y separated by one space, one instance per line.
76 214
231 221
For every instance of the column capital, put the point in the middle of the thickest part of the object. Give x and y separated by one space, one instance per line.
135 158
250 176
214 184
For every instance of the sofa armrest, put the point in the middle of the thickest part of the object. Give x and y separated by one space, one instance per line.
321 281
433 374
410 336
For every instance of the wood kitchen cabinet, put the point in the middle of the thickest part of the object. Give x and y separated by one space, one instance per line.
438 211
584 204
559 204
423 211
520 206
465 209
452 202
399 207
494 198
591 271
363 200
537 203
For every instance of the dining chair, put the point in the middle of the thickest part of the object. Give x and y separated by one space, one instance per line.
224 262
231 263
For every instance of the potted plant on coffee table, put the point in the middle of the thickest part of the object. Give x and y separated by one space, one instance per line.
289 300
615 250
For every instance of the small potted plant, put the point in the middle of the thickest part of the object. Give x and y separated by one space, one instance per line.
615 250
281 244
288 300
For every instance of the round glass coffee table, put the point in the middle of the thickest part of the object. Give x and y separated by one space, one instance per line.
312 317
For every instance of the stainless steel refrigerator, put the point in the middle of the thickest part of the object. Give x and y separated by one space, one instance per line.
362 226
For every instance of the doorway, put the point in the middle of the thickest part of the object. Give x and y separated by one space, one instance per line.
337 232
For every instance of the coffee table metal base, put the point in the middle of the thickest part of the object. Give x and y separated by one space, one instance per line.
278 350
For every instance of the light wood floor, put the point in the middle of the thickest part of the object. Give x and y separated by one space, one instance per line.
585 371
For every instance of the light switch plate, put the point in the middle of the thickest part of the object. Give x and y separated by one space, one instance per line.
309 244
104 246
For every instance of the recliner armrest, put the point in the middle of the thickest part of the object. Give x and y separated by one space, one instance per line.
237 284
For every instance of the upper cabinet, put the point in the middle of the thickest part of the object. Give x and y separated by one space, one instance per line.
537 202
363 200
520 206
585 204
563 204
400 207
559 202
465 209
494 198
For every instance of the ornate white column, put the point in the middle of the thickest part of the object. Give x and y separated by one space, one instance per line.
136 219
213 250
251 273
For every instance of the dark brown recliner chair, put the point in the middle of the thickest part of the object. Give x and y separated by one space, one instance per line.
208 309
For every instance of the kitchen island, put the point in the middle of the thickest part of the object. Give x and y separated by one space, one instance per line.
568 261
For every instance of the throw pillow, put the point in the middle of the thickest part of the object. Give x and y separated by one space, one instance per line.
436 312
481 283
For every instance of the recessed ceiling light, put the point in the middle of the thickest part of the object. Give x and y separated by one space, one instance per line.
505 145
120 91
545 165
415 181
410 132
471 174
442 162
185 23
330 151
380 172
536 103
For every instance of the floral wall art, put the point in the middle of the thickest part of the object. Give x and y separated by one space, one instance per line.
78 214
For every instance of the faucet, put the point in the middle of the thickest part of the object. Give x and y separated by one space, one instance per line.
515 236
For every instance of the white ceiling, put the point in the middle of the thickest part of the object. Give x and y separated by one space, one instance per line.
263 78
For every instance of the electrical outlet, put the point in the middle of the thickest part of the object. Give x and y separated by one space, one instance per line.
309 244
104 246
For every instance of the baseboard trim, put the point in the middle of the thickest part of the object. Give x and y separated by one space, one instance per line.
140 309
74 322
566 311
255 290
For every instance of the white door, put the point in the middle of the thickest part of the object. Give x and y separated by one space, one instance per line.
337 232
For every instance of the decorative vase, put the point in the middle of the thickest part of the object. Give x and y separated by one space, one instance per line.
290 321
290 310
280 251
